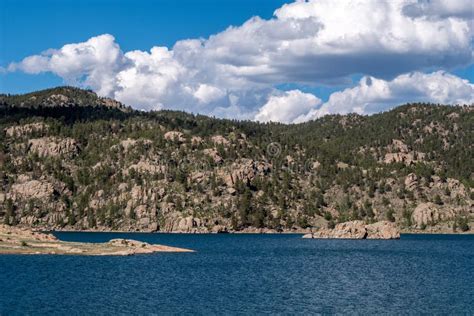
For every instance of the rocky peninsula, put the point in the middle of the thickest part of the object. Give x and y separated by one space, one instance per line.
358 230
15 240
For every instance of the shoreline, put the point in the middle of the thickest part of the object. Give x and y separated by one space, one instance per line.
250 230
20 241
239 232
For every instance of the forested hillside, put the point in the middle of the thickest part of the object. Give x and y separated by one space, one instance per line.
71 160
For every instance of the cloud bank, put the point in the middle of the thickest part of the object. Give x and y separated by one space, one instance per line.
307 43
373 95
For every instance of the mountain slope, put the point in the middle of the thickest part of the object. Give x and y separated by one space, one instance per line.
92 163
60 97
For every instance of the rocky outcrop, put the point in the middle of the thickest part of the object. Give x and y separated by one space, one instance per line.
220 140
22 233
398 145
406 158
212 152
456 187
145 166
358 230
111 103
255 230
14 240
430 214
133 247
53 147
245 170
411 181
175 136
21 130
187 224
35 189
342 165
58 100
382 230
347 230
129 143
196 140
399 152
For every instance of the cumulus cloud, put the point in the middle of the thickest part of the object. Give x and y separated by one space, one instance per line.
372 95
93 63
290 107
206 93
440 9
307 43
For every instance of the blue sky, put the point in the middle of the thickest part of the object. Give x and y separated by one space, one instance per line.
295 62
32 26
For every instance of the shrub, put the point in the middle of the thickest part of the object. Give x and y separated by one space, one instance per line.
462 224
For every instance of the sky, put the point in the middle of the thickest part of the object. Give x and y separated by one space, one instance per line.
265 60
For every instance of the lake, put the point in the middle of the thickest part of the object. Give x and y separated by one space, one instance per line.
247 274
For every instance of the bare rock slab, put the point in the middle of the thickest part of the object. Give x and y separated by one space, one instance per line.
358 230
15 240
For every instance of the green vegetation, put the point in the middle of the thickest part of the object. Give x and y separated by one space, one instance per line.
122 170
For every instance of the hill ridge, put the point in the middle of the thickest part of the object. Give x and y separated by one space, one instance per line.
104 168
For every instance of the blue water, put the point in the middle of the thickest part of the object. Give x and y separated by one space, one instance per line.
247 274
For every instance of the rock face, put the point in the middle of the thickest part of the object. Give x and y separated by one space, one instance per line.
220 140
185 225
358 230
111 103
53 147
196 140
175 136
212 152
399 152
382 230
406 158
21 130
32 189
129 143
245 170
425 213
144 166
411 181
429 214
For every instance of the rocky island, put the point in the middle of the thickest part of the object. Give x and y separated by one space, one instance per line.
358 230
24 241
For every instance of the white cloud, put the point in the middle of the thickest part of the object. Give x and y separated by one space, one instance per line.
93 63
372 95
290 107
206 93
149 80
32 65
233 73
440 9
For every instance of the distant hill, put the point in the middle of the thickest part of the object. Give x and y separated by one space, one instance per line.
60 97
72 160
